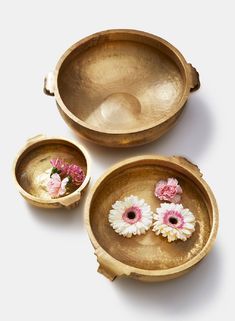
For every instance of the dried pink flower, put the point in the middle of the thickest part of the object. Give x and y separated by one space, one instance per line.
169 190
57 187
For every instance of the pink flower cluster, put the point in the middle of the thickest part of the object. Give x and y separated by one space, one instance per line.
75 172
61 175
168 190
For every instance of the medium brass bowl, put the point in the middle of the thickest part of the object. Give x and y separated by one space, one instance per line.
34 160
121 88
149 257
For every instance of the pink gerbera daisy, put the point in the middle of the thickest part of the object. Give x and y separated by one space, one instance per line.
174 222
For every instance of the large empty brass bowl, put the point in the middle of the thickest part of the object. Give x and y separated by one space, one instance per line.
121 87
33 162
149 257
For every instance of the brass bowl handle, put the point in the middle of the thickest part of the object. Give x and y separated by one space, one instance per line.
71 201
195 81
109 274
110 268
188 163
49 84
35 139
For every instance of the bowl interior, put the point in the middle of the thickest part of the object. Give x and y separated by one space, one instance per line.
33 166
121 82
148 251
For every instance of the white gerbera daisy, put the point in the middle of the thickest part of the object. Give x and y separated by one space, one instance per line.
174 222
131 216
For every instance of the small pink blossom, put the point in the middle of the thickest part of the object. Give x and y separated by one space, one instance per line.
168 190
60 165
57 187
76 173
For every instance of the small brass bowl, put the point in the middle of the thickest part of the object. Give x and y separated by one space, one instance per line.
149 257
34 159
121 88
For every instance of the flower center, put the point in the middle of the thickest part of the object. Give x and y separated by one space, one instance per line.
169 189
173 220
131 215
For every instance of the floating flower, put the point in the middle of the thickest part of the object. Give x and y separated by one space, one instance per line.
59 166
174 222
64 169
76 173
169 190
57 187
131 216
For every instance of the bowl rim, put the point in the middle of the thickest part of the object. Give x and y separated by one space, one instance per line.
41 139
128 270
175 110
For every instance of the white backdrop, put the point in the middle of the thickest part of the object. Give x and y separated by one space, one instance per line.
47 266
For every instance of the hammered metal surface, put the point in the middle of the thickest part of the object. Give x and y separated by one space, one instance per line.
121 85
149 252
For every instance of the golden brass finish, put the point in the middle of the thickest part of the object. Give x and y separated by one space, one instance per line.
149 257
121 88
34 160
